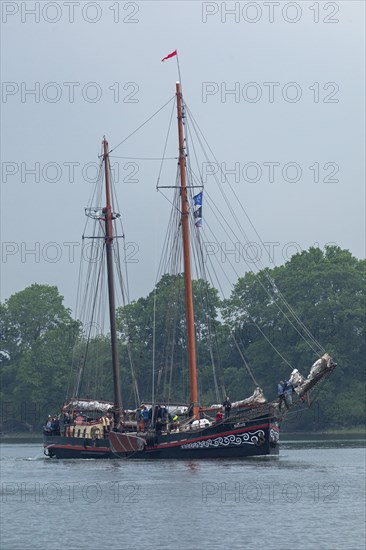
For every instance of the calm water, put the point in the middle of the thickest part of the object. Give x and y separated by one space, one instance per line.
312 497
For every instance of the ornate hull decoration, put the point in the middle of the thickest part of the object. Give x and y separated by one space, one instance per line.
274 436
247 438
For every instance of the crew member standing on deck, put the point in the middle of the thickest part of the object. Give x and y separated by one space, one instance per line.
282 388
227 406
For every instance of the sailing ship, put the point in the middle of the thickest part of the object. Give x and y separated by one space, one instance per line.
93 428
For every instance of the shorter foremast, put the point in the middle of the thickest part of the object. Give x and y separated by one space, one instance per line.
191 340
108 217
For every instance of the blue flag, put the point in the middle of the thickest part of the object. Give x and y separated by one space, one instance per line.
198 199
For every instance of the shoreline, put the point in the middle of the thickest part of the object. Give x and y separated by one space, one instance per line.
359 432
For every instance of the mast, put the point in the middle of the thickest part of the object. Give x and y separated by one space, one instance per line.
187 259
108 214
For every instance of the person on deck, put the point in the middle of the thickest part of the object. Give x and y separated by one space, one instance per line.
139 421
227 406
288 393
48 426
175 420
57 426
66 422
219 416
105 426
282 389
146 418
164 416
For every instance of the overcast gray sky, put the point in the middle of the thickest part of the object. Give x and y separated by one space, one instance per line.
296 75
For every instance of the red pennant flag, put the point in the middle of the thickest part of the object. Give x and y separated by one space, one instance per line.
170 55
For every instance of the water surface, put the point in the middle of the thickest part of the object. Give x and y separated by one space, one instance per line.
311 497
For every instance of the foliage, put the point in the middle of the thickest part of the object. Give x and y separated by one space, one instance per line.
164 309
37 338
326 290
323 288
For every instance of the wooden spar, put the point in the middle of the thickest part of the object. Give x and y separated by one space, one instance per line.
187 260
107 211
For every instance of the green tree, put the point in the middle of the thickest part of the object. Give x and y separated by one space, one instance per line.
28 315
37 336
326 290
136 328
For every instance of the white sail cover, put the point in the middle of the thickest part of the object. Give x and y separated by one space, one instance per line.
90 406
256 399
202 423
301 384
321 364
296 380
179 410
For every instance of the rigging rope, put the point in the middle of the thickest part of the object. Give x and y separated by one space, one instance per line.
244 360
318 348
141 125
143 158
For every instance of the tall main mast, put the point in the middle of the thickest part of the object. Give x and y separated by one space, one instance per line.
187 259
108 216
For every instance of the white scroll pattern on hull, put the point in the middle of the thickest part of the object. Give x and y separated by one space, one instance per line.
250 438
274 436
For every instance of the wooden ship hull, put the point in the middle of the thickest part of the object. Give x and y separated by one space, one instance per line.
231 439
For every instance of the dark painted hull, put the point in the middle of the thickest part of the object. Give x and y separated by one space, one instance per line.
228 440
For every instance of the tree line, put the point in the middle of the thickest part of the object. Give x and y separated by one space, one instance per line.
236 341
